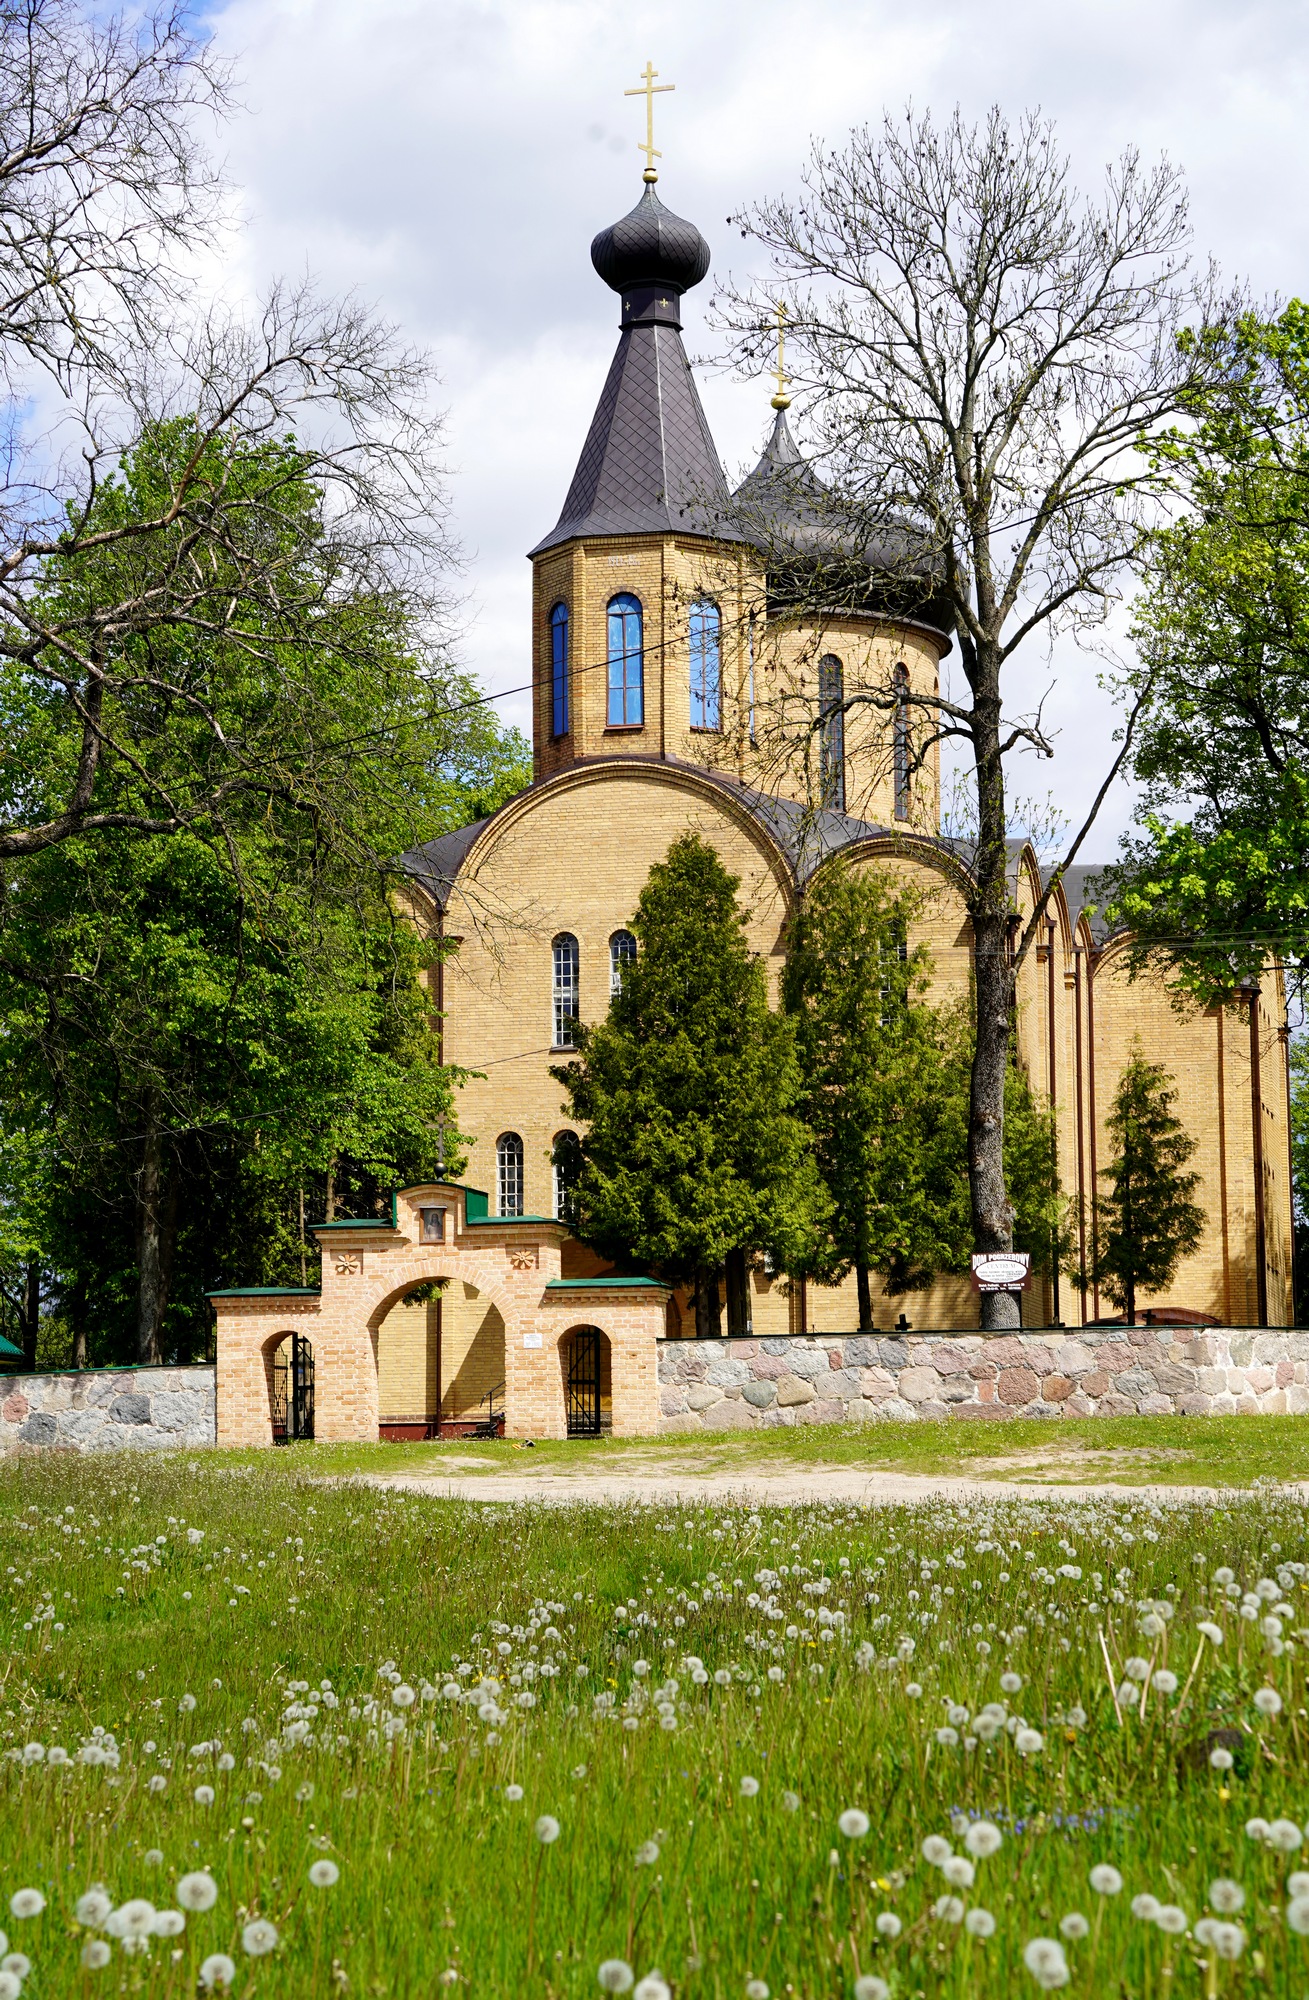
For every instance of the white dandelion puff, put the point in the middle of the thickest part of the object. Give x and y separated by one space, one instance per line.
1105 1879
92 1908
26 1903
1226 1896
853 1823
1213 1633
888 1924
324 1874
791 1800
959 1871
980 1923
133 1919
756 1989
546 1829
869 1987
217 1970
1074 1925
1284 1836
197 1891
936 1849
1044 1959
1164 1681
1011 1683
513 1793
259 1937
948 1910
653 1987
204 1795
647 1854
95 1954
11 1985
403 1696
983 1839
1228 1940
1222 1760
1297 1915
1146 1907
169 1923
749 1788
615 1976
1267 1701
1171 1920
1028 1742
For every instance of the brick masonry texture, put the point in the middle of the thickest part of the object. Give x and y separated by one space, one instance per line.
717 1385
108 1409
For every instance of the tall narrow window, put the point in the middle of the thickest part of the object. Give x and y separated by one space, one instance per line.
626 664
566 1159
622 952
706 667
567 972
901 742
509 1173
831 733
559 670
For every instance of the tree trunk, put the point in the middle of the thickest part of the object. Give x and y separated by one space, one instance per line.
156 1218
865 1298
329 1203
738 1295
31 1313
994 983
77 1315
708 1306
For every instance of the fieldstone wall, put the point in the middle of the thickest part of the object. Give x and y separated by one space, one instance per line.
105 1409
1096 1371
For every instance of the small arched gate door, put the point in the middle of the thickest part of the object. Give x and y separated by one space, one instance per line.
582 1382
293 1391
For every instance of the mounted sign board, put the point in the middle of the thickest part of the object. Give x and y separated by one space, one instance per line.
1002 1271
532 1340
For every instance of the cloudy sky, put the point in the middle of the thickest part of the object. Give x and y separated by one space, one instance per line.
451 159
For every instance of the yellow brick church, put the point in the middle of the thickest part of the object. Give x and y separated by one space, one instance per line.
664 652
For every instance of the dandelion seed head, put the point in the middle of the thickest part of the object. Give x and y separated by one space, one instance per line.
948 1910
93 1907
1044 1959
1105 1879
1226 1896
756 1989
1297 1915
615 1976
1146 1907
197 1891
749 1788
983 1839
259 1937
95 1954
853 1822
936 1849
888 1924
217 1970
324 1874
1284 1836
653 1987
1267 1701
1074 1925
980 1923
1222 1760
959 1871
513 1793
546 1829
26 1903
1171 1920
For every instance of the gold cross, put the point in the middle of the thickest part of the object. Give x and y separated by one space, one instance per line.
781 401
649 90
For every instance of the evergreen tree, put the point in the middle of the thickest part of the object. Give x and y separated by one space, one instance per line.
1147 1221
887 1096
690 1090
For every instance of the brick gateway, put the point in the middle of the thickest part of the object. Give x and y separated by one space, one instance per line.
439 1233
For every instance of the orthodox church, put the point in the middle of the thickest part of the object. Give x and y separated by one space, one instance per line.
660 657
664 650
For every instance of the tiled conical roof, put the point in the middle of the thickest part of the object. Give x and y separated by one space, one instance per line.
649 465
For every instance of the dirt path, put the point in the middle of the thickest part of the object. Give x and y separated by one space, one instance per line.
762 1485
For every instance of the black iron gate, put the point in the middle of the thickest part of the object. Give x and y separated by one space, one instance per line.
583 1387
293 1391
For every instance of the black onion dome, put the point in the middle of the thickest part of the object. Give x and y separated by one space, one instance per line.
651 246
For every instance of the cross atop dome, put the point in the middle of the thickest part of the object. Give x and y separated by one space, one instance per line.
649 90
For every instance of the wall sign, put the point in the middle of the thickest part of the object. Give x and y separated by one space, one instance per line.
532 1340
1002 1271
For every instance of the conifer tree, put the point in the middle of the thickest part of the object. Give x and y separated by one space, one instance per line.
1147 1221
886 1096
694 1148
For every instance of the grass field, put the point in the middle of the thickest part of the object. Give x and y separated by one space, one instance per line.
1183 1451
553 1752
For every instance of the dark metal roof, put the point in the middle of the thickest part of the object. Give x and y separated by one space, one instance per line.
820 554
649 465
1085 894
437 862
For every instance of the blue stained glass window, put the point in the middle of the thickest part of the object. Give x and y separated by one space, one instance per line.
559 670
626 664
706 668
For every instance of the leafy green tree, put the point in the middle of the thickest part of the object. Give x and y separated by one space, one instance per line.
1146 1220
210 1039
887 1096
1215 879
690 1093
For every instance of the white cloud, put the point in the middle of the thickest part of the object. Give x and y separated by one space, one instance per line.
453 158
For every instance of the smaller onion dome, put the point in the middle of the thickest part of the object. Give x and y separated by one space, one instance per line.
651 247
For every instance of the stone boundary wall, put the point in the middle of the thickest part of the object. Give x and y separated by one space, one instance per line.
107 1409
714 1385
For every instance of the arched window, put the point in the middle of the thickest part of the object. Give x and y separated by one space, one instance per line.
622 951
566 1160
900 742
559 670
509 1173
567 972
626 664
706 665
831 733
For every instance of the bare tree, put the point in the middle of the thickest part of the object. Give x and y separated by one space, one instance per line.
108 198
980 350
